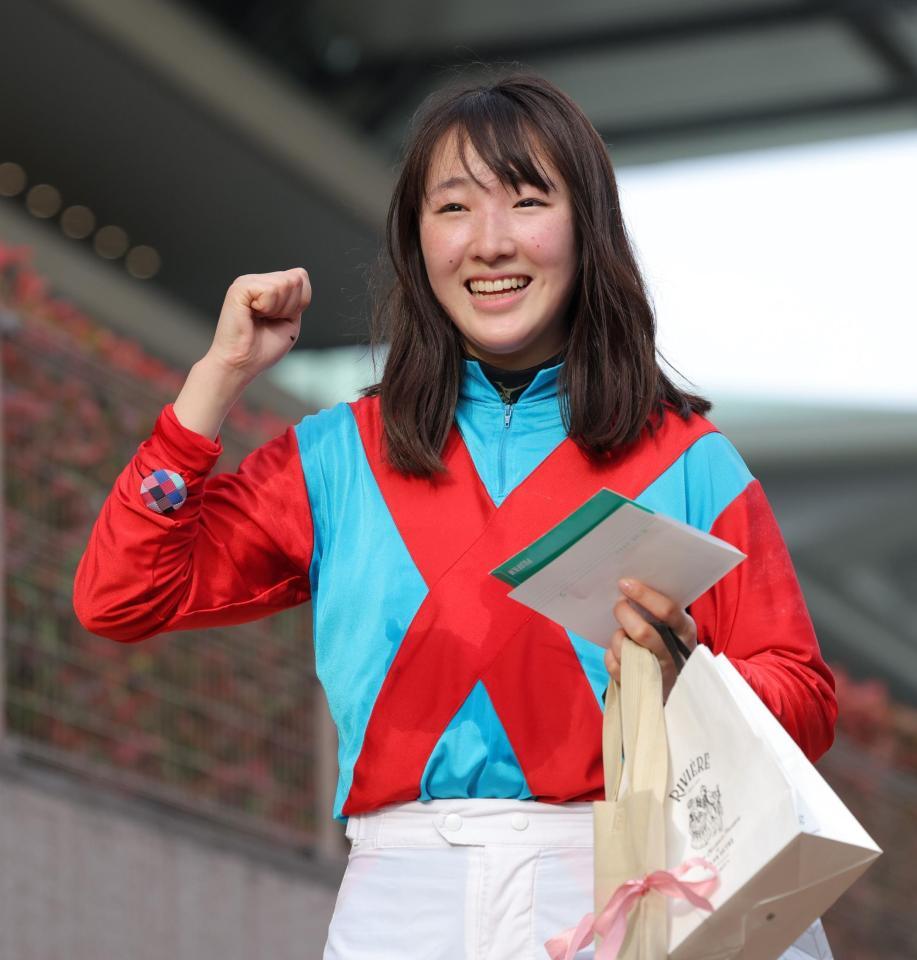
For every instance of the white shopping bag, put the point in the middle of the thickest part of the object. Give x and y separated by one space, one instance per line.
742 795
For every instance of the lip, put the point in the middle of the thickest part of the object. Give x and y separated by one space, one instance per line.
492 302
497 276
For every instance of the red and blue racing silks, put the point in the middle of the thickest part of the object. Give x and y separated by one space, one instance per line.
440 685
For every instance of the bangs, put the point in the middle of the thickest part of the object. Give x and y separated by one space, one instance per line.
497 130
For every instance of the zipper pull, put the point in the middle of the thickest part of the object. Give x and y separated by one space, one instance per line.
507 415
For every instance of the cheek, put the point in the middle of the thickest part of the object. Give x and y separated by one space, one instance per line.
554 246
558 261
440 251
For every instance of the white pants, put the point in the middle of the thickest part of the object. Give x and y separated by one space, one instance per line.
467 880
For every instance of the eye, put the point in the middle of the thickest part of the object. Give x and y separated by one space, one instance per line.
450 208
531 202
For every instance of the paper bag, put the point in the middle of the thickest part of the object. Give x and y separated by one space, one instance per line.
742 795
630 829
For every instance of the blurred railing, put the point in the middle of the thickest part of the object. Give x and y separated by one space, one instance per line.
873 768
221 721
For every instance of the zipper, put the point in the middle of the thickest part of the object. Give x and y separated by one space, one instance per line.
501 452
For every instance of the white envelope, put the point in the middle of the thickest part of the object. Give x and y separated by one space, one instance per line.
743 795
579 588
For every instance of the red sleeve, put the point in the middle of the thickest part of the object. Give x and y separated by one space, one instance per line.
238 548
756 615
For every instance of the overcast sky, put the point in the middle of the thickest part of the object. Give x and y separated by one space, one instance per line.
787 274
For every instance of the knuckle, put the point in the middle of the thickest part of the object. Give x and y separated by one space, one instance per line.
644 634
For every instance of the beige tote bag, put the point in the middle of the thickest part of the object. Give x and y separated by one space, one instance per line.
629 825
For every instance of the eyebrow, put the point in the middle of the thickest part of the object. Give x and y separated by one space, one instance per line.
450 184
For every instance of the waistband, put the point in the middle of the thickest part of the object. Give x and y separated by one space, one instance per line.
474 822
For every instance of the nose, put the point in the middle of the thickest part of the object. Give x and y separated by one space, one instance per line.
493 238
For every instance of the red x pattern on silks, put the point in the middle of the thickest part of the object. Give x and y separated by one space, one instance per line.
468 630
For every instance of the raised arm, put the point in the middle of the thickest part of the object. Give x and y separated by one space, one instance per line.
239 545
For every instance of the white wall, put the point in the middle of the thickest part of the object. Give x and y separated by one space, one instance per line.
84 876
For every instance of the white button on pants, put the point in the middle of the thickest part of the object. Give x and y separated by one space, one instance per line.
452 822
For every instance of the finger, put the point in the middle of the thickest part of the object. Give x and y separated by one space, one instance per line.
658 605
305 288
613 656
270 292
265 298
640 630
286 285
300 293
617 642
290 307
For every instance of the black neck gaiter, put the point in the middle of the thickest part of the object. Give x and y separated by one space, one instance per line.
510 384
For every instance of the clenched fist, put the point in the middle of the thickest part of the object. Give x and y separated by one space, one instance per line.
260 320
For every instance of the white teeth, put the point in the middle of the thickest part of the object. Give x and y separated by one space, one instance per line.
497 286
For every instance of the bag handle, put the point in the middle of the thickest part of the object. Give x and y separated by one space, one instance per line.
678 649
612 742
634 724
643 721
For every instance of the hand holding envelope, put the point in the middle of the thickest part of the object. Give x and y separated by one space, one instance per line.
571 573
645 615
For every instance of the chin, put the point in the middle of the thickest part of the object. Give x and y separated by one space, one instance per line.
499 349
503 349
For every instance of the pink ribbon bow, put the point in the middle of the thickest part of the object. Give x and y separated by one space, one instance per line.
611 923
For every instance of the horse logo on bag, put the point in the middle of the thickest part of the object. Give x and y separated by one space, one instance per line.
705 816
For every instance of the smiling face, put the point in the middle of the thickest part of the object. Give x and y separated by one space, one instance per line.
501 261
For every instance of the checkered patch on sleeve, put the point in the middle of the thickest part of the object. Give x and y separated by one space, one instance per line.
163 491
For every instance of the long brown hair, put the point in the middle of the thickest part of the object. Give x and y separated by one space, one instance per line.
611 385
